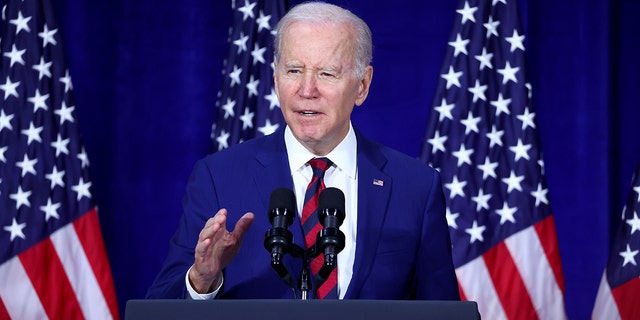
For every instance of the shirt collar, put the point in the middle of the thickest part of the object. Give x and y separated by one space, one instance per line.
342 155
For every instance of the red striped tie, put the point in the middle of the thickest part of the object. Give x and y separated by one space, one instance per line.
311 225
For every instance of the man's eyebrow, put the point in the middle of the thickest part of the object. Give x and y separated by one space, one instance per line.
293 65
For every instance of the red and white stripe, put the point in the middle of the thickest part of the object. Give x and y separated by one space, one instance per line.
618 303
519 278
65 276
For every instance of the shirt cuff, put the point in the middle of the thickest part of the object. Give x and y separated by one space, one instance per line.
202 296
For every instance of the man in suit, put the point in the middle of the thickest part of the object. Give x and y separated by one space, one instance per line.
397 241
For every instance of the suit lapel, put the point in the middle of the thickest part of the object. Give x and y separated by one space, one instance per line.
271 171
271 168
374 187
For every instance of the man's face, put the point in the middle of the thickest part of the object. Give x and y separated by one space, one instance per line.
316 84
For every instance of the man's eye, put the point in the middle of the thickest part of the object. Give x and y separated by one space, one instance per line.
293 71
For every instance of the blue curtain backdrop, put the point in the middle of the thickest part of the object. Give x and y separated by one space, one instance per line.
146 74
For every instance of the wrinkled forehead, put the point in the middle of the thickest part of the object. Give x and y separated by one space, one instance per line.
318 43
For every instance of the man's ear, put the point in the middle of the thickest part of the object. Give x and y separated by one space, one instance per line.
365 84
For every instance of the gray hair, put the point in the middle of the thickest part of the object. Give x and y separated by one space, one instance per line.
325 13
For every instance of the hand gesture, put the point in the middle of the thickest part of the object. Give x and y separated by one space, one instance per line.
216 248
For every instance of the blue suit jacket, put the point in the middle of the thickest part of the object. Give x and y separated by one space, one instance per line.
403 247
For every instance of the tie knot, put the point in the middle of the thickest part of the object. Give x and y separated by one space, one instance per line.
320 164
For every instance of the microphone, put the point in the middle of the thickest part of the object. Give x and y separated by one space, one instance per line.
278 239
330 240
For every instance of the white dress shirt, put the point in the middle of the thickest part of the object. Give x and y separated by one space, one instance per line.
343 174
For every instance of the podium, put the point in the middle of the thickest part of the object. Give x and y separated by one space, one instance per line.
301 309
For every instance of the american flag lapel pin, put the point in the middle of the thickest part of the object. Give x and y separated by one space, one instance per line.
378 182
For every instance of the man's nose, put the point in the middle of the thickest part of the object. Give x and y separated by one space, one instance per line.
309 86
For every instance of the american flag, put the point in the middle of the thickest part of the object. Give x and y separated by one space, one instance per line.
482 137
247 105
53 263
620 286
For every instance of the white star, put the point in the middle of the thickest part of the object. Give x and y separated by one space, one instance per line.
513 182
502 105
453 78
492 27
21 198
15 56
634 223
247 119
527 119
84 160
247 10
50 210
478 91
67 81
235 75
65 113
263 22
482 200
463 155
516 41
228 108
16 229
268 128
451 219
241 42
273 99
437 142
55 177
506 213
21 23
27 165
509 73
485 59
444 110
637 190
470 123
252 86
496 1
5 120
61 145
528 86
222 140
521 150
39 101
258 54
44 68
488 169
628 255
9 88
475 232
47 36
495 137
540 195
2 157
32 133
82 189
459 45
467 12
455 187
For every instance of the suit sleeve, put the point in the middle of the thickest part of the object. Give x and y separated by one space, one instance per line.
436 278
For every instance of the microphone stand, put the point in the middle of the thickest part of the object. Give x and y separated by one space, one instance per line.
304 283
331 236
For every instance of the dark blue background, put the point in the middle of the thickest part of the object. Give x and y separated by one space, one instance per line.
146 74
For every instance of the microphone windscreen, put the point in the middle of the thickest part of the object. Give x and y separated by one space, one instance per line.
331 198
282 198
